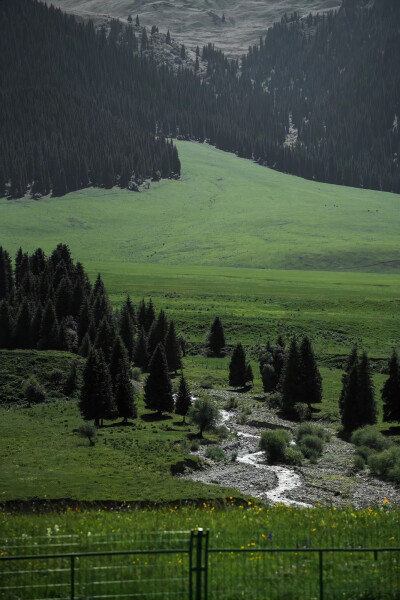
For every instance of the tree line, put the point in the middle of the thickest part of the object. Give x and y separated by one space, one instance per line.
317 97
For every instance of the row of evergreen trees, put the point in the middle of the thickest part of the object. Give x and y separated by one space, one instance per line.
357 402
82 108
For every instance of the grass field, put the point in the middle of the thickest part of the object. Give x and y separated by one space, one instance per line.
225 211
269 253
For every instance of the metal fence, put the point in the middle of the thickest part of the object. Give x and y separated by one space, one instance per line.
195 571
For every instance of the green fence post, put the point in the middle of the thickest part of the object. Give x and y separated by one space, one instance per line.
321 576
191 565
206 565
198 563
72 577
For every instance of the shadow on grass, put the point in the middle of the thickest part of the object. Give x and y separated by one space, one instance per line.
393 430
152 417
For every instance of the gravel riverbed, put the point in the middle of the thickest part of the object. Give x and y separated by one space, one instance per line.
331 481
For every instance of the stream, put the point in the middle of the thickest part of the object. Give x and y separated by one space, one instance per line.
249 472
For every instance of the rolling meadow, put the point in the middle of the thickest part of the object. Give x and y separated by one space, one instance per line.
270 254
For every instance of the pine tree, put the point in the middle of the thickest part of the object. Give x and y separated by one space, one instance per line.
48 336
122 386
141 356
96 401
310 378
127 330
84 318
291 381
358 407
391 391
157 333
142 314
6 326
216 338
249 374
237 367
22 329
351 361
105 338
365 393
36 325
183 399
71 382
86 346
150 316
172 350
158 389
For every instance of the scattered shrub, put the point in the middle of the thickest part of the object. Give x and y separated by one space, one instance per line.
293 456
311 446
87 431
33 391
195 445
231 403
274 401
359 463
275 443
301 412
386 464
206 384
223 432
234 456
370 437
215 453
311 429
55 377
364 452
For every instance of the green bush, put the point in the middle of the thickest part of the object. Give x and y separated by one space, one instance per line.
215 453
275 443
311 429
231 403
274 401
370 437
293 456
311 446
301 411
386 464
358 463
136 373
222 431
195 445
365 452
33 391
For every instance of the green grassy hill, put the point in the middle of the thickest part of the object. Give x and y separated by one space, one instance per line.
225 211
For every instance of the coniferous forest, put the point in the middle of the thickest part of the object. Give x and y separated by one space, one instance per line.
318 97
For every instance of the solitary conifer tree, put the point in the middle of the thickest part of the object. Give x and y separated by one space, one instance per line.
158 389
358 407
183 399
391 391
216 337
237 367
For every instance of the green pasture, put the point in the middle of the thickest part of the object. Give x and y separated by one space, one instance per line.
224 211
246 569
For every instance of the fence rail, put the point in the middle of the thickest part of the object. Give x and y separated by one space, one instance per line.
196 571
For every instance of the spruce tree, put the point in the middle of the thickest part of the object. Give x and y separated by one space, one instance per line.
349 408
48 337
127 330
22 329
122 386
216 338
351 361
158 389
141 355
365 393
150 316
96 400
172 350
71 382
291 381
183 399
6 325
105 338
391 391
310 378
249 374
238 367
85 347
157 333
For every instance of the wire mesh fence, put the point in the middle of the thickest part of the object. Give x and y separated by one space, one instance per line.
183 565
